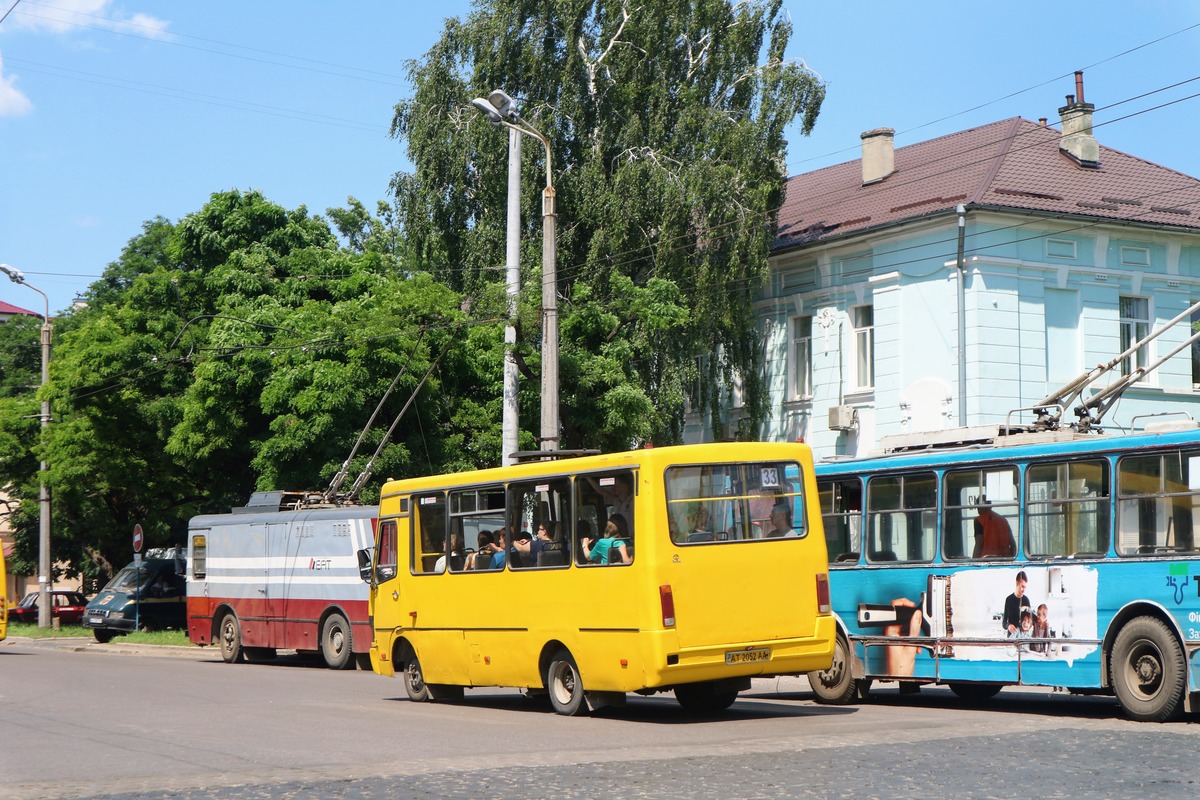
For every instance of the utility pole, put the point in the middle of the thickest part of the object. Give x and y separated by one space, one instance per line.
44 571
502 111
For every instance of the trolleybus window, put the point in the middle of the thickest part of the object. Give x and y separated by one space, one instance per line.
1067 509
841 511
980 513
1158 503
902 517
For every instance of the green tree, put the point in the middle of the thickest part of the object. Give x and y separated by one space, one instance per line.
667 127
242 348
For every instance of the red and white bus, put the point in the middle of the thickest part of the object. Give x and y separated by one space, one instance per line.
281 574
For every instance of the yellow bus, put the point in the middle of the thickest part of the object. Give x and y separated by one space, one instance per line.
691 568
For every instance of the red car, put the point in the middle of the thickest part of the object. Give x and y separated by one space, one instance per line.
67 607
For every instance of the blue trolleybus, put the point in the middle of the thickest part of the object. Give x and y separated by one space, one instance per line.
1056 558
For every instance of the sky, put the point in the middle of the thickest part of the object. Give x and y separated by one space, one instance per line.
114 113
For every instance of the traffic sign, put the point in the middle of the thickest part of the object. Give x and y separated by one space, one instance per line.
137 538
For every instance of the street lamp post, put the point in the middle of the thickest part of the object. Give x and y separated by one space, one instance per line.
502 111
16 276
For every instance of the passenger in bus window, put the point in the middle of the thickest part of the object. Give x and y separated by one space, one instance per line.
611 549
519 555
481 558
781 521
499 550
993 536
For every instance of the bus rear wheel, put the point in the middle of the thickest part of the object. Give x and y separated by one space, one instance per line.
337 643
836 686
1148 671
564 685
231 639
703 698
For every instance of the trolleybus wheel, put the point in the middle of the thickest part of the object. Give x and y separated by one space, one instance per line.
975 692
703 698
337 643
414 680
1148 671
836 685
564 685
231 639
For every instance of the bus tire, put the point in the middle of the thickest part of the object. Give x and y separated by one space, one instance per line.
1148 671
564 685
337 642
975 692
414 680
836 686
102 636
231 639
703 698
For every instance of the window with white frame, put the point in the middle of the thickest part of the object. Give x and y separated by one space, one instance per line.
1135 326
864 346
801 357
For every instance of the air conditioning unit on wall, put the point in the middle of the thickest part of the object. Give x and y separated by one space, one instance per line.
841 418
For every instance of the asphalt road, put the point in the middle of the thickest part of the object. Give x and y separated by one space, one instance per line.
81 720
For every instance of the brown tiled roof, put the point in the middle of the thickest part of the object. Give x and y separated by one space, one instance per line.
9 308
1012 164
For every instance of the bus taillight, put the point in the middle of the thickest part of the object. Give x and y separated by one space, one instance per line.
823 593
667 599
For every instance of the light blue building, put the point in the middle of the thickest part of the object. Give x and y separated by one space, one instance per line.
1070 251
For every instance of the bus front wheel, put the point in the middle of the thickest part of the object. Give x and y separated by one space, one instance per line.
836 685
231 639
564 685
1148 671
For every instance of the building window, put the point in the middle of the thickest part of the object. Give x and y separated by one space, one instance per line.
801 357
864 346
1135 326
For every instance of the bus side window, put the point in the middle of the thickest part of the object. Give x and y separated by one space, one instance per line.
428 534
902 517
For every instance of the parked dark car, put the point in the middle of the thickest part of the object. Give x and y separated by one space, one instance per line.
67 607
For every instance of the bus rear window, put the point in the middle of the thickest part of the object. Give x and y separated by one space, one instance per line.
724 503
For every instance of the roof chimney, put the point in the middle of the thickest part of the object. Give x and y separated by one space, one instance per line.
878 155
1077 140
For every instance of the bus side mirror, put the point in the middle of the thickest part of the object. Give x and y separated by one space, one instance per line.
364 564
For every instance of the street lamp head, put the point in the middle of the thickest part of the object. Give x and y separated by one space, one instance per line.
498 106
15 275
487 108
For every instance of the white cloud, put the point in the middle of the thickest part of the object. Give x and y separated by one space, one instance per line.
72 15
13 102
